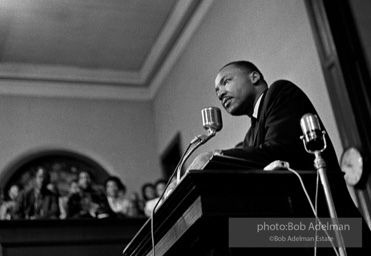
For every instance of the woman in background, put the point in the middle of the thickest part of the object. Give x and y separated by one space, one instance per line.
116 196
7 207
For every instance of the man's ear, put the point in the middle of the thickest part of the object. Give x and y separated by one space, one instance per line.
255 77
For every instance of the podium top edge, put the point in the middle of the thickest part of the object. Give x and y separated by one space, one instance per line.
247 171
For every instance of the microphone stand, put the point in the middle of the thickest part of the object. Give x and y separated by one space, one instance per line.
199 140
208 123
320 165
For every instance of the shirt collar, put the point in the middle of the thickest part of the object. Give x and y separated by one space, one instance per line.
256 107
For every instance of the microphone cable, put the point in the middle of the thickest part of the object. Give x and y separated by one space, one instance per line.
212 121
313 208
186 154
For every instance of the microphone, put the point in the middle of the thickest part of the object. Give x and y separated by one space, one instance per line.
212 122
313 138
212 119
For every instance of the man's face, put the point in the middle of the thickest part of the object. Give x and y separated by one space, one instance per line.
160 188
112 189
74 187
41 178
235 90
150 192
13 192
84 180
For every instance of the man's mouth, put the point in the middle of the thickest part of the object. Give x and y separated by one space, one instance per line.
226 101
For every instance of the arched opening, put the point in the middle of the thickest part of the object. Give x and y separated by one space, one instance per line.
63 166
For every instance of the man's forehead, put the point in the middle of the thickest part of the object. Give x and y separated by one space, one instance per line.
40 171
218 78
224 72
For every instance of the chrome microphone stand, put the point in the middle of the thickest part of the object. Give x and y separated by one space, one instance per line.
212 122
199 140
320 165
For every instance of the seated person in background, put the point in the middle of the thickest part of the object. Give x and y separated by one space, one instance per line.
63 200
89 202
116 192
38 202
7 207
136 206
159 189
148 193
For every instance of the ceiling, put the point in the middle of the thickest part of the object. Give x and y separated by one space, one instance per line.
93 48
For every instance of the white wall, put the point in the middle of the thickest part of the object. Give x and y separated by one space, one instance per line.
118 135
275 35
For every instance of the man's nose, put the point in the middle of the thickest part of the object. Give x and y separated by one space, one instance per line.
221 93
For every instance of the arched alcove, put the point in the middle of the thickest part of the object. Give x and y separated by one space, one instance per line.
63 166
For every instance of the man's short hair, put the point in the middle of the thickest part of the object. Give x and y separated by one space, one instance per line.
245 65
46 173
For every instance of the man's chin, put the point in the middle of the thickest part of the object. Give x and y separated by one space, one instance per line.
237 113
233 111
228 111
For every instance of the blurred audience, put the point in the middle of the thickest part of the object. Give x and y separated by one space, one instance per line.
63 200
38 202
148 192
89 202
116 192
136 207
9 203
159 186
81 198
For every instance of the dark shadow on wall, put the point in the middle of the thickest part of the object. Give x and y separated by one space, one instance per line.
171 156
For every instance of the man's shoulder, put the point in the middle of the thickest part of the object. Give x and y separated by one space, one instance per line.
284 87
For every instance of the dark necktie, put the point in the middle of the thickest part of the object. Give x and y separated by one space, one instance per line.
253 122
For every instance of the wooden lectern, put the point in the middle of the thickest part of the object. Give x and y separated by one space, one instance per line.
193 220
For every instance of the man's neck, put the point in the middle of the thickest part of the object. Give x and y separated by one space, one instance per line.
260 89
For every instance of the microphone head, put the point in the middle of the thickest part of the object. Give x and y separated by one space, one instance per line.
312 133
309 123
212 119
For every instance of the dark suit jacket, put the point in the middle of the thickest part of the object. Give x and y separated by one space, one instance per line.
25 206
276 134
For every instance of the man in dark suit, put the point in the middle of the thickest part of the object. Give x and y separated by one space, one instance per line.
275 114
275 131
38 202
